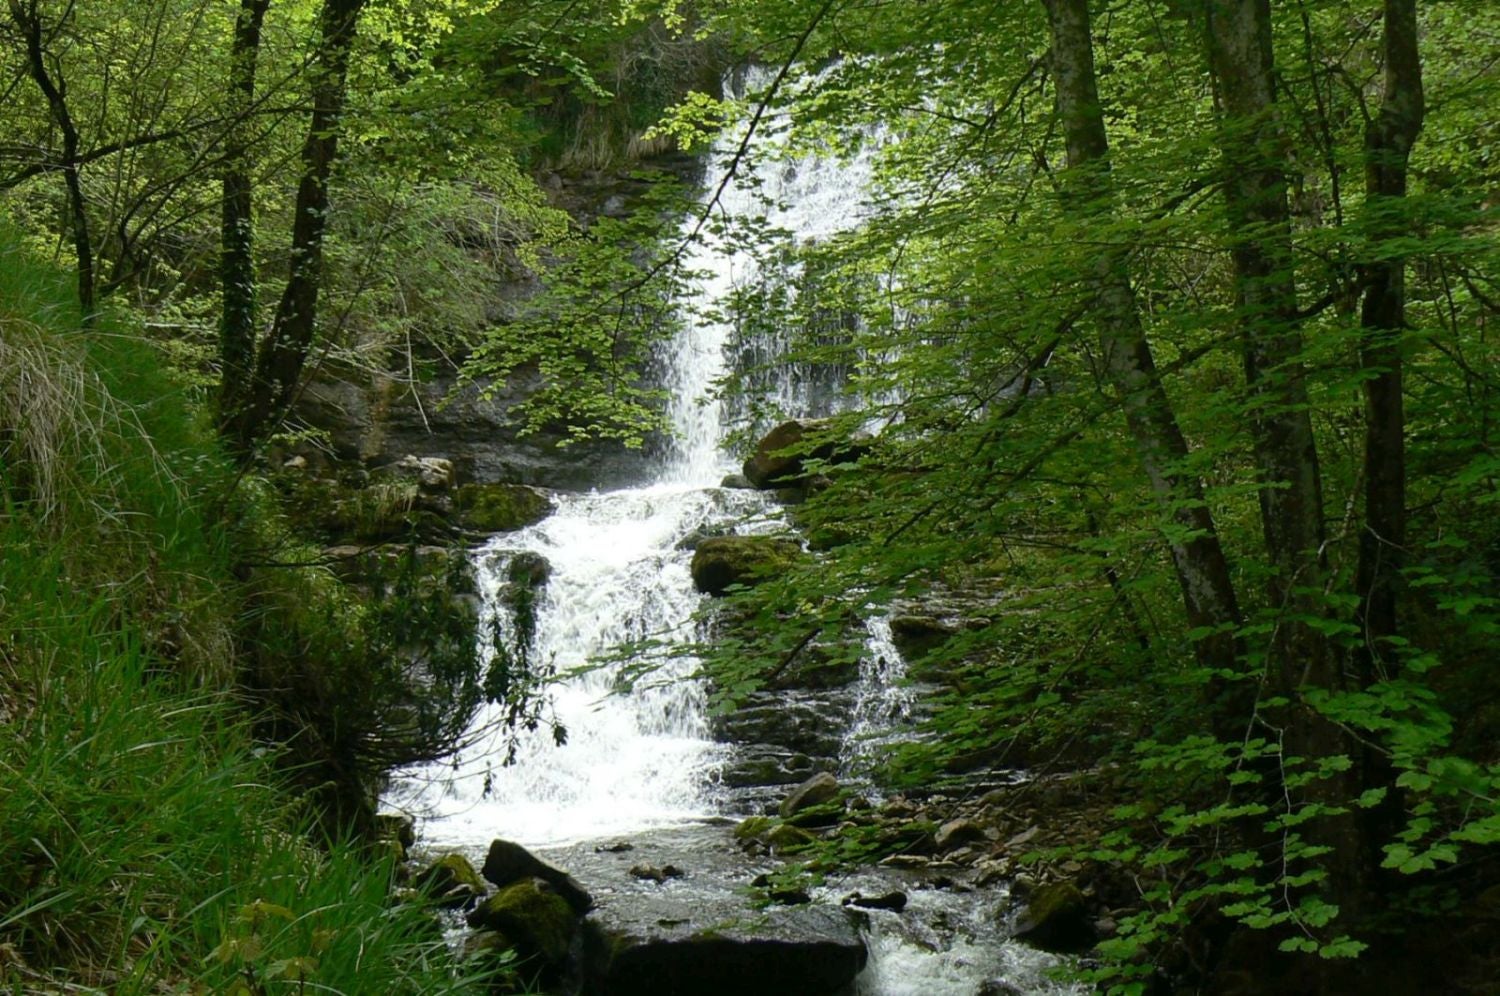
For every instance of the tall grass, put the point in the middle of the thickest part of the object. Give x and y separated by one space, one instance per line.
149 843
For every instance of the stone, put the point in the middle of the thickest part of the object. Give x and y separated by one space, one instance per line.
818 789
507 863
652 873
895 901
785 838
500 508
450 882
916 636
956 833
1056 918
796 950
738 482
722 561
531 914
771 465
398 827
430 473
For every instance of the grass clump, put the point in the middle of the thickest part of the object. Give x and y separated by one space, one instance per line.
153 841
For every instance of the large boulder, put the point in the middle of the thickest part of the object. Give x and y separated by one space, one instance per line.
450 881
533 915
806 950
500 508
508 863
1056 918
780 458
722 561
817 790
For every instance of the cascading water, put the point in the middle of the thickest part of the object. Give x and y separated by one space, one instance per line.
617 572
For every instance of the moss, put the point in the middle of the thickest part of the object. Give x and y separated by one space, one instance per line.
501 508
753 828
723 561
531 913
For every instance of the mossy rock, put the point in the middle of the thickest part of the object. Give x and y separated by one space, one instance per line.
1056 919
786 837
753 828
501 508
723 561
538 919
451 881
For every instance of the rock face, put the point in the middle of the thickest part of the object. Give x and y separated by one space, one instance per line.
808 439
378 423
722 561
791 951
508 863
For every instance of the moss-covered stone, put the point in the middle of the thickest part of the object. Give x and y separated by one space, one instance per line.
786 838
722 561
1056 919
501 508
451 881
538 919
753 827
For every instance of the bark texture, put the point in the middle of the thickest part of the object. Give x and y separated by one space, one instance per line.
54 88
282 358
237 238
1197 555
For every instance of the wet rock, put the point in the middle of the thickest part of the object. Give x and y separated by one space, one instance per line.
781 455
507 863
722 561
528 569
737 481
956 833
785 838
616 847
652 873
800 950
916 635
998 987
817 790
895 901
1056 918
450 882
533 915
500 508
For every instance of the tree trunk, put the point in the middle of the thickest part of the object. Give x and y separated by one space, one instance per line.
237 239
281 360
29 20
1197 556
1291 499
1388 142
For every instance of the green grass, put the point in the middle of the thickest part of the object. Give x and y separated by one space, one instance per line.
151 843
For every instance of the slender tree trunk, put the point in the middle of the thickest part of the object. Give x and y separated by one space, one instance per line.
1197 556
1388 142
1291 498
281 359
237 240
29 20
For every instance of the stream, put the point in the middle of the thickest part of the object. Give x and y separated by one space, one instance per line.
645 766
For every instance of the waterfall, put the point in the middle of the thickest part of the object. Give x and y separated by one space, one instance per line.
617 570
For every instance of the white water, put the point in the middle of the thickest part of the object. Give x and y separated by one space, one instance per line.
644 759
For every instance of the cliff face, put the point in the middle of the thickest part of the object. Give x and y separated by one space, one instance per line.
374 421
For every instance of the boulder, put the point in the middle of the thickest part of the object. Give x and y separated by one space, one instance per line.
781 455
818 789
430 473
508 863
500 508
1056 918
894 901
450 882
722 561
737 482
799 950
956 833
531 914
